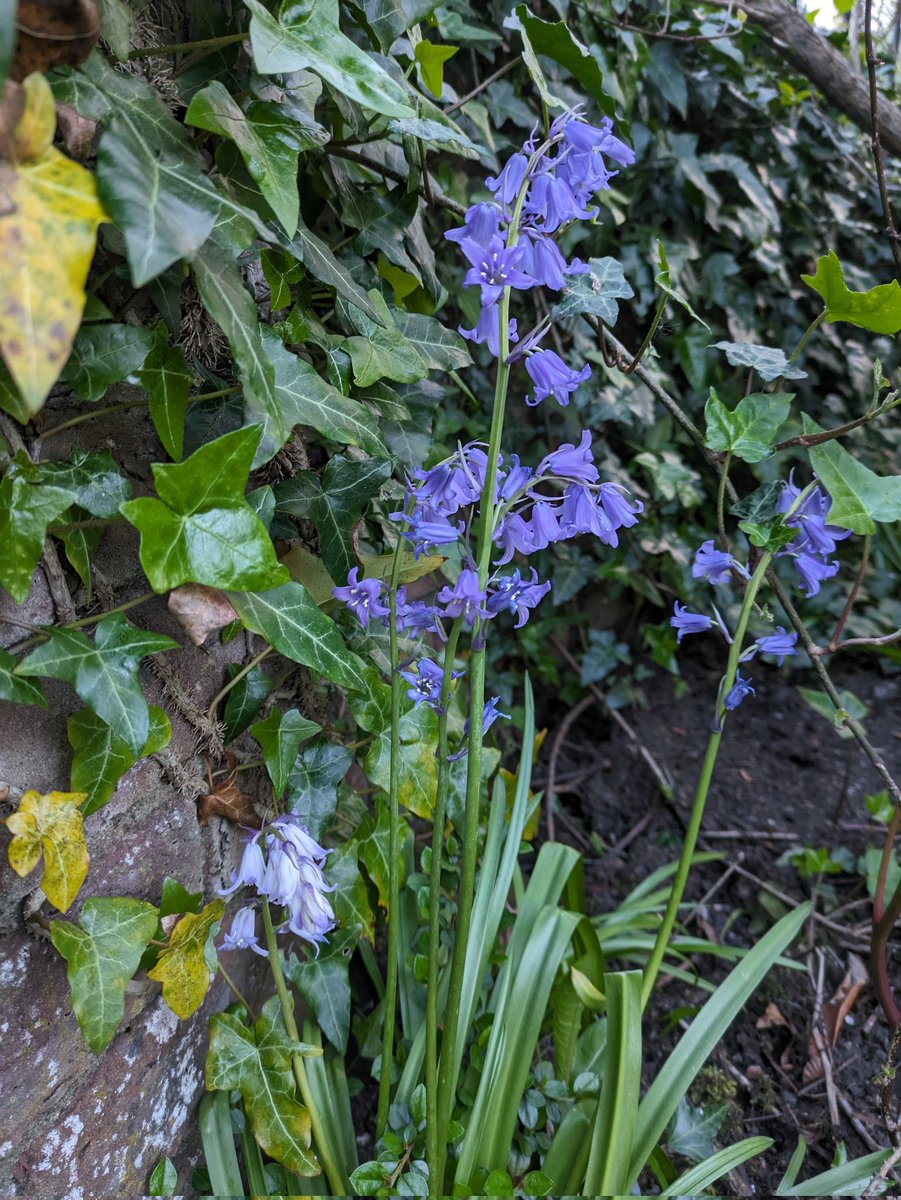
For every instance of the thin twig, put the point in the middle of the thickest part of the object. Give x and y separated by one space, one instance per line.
828 435
875 139
559 738
438 196
834 641
480 87
887 639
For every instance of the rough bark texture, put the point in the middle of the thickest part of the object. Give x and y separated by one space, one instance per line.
77 1125
810 53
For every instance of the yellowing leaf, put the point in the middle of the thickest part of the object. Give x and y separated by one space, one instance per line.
182 968
53 825
34 133
49 213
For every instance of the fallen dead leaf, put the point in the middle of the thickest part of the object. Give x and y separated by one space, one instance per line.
200 610
746 775
228 801
772 1018
835 1012
78 133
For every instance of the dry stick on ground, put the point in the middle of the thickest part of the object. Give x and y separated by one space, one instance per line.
824 1048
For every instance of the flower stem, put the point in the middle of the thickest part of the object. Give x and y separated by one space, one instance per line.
393 855
339 1185
721 500
697 813
434 1156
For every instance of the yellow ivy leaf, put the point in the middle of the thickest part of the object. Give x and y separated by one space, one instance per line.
49 213
182 968
35 131
52 824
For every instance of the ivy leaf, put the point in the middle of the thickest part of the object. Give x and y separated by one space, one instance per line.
769 362
104 355
309 38
104 673
382 352
177 899
103 952
322 264
431 59
290 621
372 848
183 967
258 1063
245 700
163 1178
201 529
749 430
860 497
268 144
878 309
280 736
101 758
381 221
80 546
166 378
335 504
313 784
350 898
303 398
51 825
94 480
438 132
554 40
25 512
663 280
49 213
440 348
418 763
324 982
16 690
595 293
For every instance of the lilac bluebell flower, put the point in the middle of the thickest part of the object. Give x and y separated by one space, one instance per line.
814 536
429 529
512 593
544 262
362 597
242 935
487 330
737 693
621 513
544 526
251 869
715 565
513 535
416 617
427 683
507 184
481 223
780 644
591 139
552 377
465 599
491 713
581 513
572 462
813 570
494 267
552 203
688 622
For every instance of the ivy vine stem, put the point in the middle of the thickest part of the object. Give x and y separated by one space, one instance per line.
339 1185
439 812
215 43
677 891
245 670
393 853
122 407
83 621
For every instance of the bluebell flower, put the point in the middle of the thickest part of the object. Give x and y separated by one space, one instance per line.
581 513
715 565
621 513
552 203
487 330
429 529
780 644
571 462
481 223
495 266
688 622
514 479
251 869
813 571
507 184
544 526
513 535
511 593
737 693
362 597
544 262
552 377
242 935
465 599
591 139
416 617
427 683
814 535
490 713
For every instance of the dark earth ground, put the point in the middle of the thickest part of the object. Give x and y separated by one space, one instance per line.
781 773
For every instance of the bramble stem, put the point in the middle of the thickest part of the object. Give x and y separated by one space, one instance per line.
438 822
697 813
339 1185
393 855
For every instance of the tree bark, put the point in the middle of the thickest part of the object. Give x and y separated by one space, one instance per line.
809 52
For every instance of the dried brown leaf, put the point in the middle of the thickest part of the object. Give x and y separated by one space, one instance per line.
228 801
773 1018
200 610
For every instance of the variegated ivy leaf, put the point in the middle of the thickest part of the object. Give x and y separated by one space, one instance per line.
185 968
51 825
101 758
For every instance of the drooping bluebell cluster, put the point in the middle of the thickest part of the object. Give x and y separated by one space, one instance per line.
509 242
810 551
283 864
